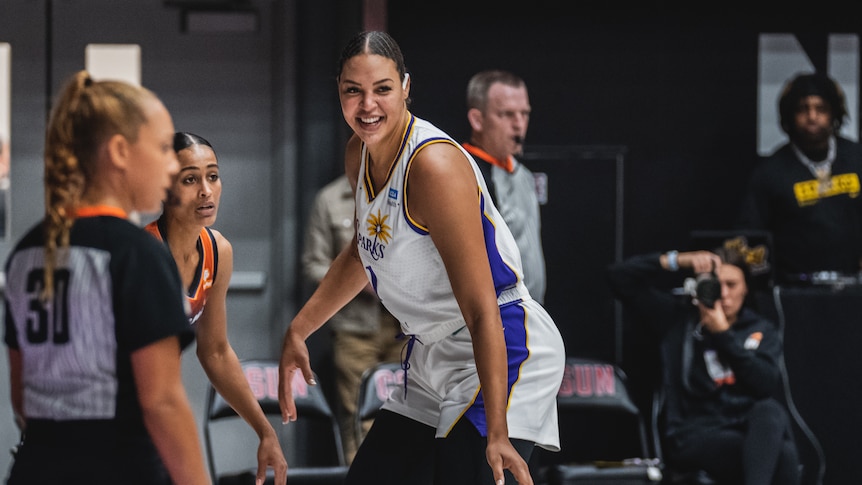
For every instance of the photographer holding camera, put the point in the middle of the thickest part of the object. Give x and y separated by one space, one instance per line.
720 367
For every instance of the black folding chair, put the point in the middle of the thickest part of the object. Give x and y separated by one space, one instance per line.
311 444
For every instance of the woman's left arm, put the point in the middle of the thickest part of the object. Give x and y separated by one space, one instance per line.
444 197
224 371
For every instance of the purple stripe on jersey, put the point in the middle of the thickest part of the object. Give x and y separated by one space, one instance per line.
504 277
515 330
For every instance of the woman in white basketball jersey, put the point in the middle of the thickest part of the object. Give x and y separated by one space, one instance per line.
483 361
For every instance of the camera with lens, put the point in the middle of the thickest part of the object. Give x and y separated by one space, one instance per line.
707 289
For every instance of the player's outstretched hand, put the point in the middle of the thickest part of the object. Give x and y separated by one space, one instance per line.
294 355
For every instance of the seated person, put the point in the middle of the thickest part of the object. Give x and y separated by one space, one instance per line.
720 368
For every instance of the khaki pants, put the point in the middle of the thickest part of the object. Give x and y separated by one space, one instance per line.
353 354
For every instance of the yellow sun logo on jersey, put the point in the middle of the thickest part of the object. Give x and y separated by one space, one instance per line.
377 227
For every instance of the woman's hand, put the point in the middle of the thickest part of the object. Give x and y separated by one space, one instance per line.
699 261
501 456
713 319
294 355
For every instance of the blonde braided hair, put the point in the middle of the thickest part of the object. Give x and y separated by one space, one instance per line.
85 116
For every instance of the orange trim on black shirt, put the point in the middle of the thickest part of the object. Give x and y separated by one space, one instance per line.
506 165
100 210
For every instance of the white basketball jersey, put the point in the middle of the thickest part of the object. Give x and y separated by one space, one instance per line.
442 385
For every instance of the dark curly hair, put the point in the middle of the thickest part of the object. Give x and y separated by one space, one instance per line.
814 84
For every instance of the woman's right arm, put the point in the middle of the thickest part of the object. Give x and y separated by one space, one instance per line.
342 282
166 410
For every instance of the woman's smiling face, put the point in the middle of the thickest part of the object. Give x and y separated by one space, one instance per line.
373 99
